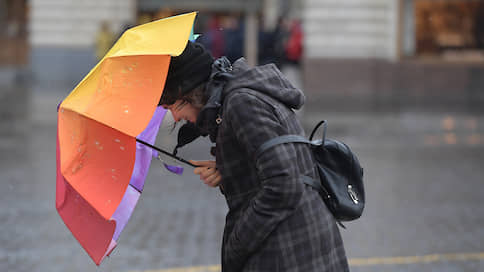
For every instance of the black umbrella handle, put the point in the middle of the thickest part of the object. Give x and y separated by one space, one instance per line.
166 153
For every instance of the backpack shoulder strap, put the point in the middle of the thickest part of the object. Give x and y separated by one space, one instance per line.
292 139
284 139
280 140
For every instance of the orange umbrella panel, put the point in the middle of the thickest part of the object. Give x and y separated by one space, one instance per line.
122 92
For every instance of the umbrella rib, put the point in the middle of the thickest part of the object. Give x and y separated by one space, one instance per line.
165 152
134 187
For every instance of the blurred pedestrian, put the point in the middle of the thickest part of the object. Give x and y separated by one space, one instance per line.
294 46
479 26
275 222
266 47
281 35
234 29
104 40
217 40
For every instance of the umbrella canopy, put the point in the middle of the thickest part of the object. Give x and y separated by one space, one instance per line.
101 167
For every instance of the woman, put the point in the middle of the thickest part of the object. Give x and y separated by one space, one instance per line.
275 222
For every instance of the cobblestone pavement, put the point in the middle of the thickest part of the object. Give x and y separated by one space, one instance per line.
424 183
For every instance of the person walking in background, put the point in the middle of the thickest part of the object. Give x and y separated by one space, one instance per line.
215 37
281 35
294 48
275 222
104 40
479 26
234 37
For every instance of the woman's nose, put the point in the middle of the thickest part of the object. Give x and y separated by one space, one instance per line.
175 116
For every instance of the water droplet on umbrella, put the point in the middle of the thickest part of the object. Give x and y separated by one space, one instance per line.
98 145
121 147
117 140
76 168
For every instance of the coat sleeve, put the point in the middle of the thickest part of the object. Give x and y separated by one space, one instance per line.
253 122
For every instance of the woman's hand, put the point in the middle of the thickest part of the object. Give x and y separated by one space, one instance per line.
208 172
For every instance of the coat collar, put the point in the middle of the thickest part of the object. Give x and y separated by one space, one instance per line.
210 115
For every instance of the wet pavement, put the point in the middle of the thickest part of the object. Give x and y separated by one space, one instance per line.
423 172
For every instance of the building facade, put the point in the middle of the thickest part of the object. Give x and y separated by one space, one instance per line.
62 35
373 54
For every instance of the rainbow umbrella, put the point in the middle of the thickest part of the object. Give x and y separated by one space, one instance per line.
106 128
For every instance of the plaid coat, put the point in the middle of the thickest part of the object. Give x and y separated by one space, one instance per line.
275 222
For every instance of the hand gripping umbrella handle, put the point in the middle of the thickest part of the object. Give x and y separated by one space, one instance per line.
166 153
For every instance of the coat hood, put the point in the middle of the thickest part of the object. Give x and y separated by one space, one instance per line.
226 78
266 79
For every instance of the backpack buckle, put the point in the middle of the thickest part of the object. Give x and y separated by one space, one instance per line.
218 120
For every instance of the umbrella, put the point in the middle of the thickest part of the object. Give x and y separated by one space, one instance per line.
106 128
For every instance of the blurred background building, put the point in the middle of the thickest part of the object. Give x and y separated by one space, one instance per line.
392 53
396 52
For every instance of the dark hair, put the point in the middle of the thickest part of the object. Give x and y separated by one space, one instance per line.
196 97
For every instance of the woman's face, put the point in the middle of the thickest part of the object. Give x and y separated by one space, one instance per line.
182 110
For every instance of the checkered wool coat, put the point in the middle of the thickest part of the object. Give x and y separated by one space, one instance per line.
275 222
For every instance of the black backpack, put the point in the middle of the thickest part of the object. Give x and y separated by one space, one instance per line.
340 181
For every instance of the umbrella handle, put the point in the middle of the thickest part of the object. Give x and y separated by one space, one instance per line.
166 153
